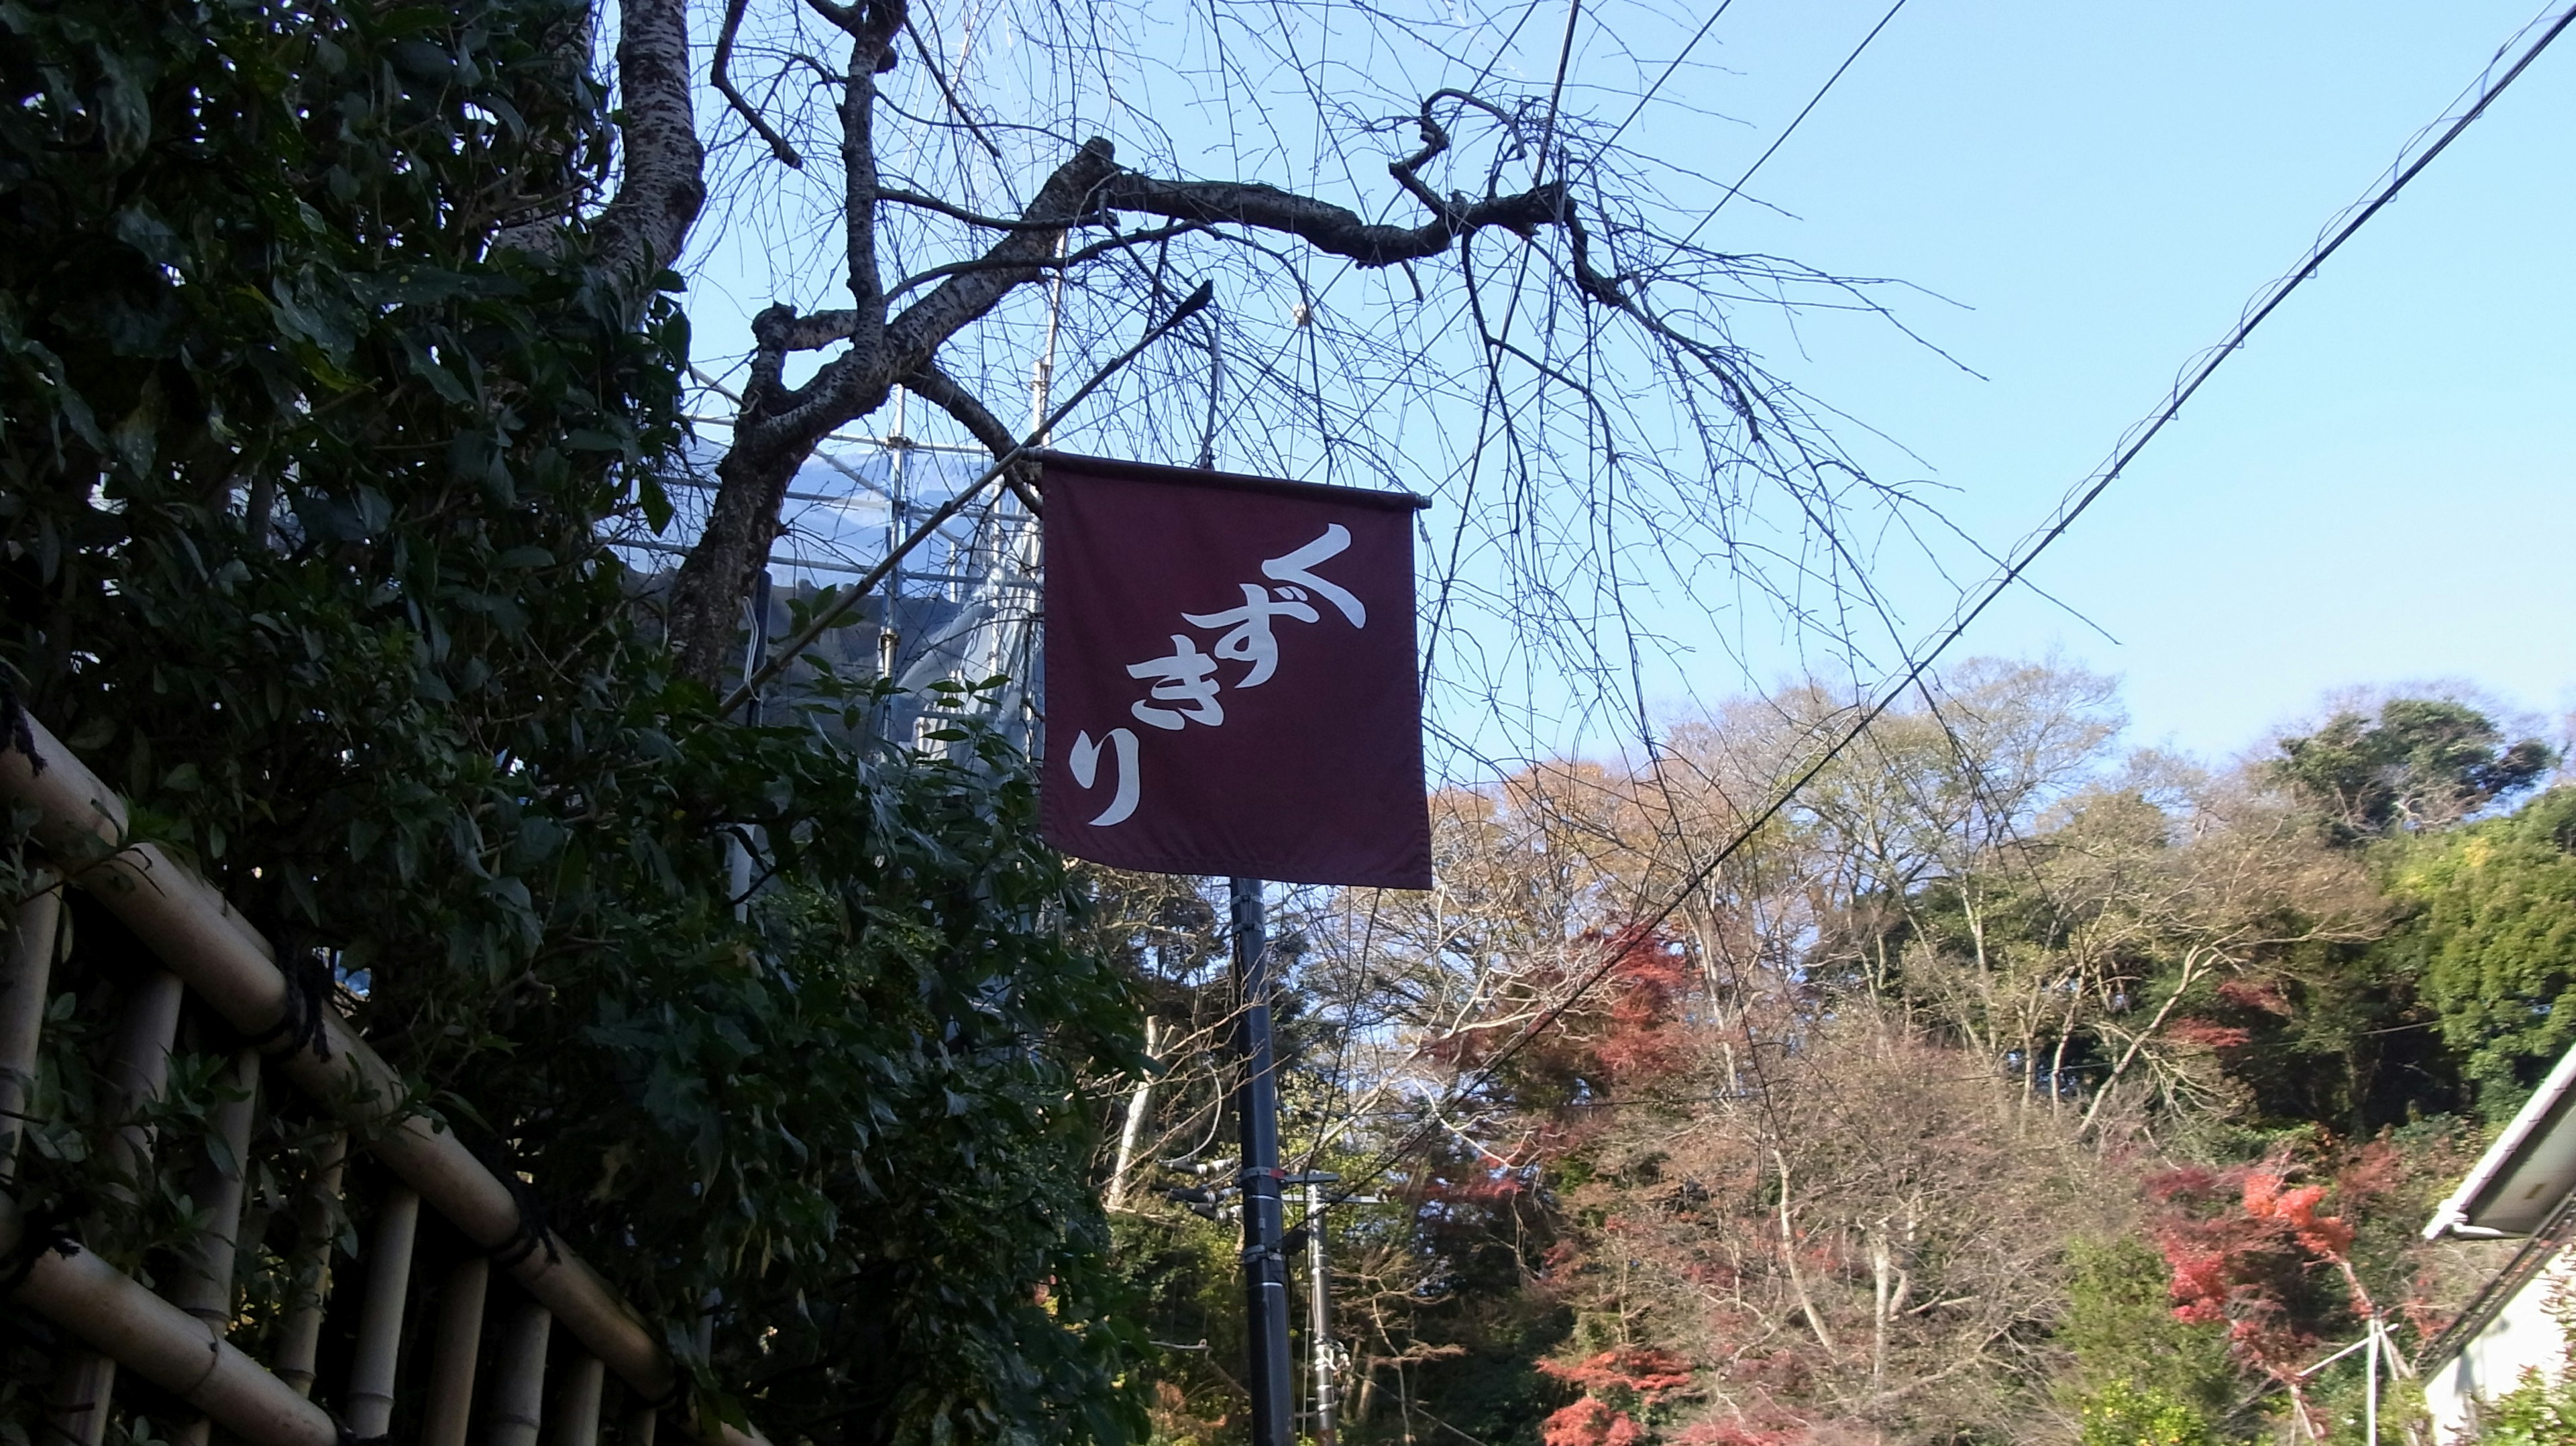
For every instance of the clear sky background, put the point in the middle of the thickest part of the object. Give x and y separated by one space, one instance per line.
2375 491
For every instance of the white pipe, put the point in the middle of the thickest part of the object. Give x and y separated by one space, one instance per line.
2370 1395
460 1340
164 1344
370 1405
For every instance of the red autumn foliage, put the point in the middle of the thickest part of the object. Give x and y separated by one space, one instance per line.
1629 1027
1590 1422
1641 1369
1649 976
2206 1034
2241 1263
2247 994
2269 1197
1635 1374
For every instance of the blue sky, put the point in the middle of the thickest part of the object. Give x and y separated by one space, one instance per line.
2374 491
2369 494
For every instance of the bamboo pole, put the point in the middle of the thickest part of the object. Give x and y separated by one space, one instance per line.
460 1340
317 1220
519 1386
138 1069
30 965
83 1390
204 1288
640 1424
182 919
577 1403
370 1406
163 1344
231 967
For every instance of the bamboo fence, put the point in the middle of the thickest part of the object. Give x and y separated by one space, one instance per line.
175 1338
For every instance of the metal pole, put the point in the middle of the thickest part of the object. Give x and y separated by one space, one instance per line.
1256 1107
1319 1308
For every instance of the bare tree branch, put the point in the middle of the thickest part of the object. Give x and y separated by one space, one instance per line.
1066 262
1336 230
750 113
941 390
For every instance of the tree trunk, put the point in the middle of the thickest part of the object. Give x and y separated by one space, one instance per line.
1140 1103
1797 1278
717 574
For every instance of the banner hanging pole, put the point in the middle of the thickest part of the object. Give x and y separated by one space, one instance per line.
1256 1107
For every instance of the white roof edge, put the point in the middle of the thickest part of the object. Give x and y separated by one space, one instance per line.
2454 1208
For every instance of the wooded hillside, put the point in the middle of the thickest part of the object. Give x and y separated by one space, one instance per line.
2010 1086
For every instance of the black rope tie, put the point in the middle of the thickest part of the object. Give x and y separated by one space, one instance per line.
671 1398
309 987
14 729
532 1234
41 1229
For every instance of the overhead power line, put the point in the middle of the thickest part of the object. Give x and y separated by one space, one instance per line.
1675 64
1800 119
2485 90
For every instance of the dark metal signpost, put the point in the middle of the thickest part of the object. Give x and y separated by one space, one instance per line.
1256 1108
1231 690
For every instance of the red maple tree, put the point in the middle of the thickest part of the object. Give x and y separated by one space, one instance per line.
2245 1263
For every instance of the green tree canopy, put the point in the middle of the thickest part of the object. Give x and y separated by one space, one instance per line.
2422 762
2493 941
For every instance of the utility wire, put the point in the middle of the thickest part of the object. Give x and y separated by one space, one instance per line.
1687 47
1556 90
2023 555
1812 102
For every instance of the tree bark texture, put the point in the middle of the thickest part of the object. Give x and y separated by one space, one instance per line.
641 231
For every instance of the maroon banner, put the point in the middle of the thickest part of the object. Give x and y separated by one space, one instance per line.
1230 683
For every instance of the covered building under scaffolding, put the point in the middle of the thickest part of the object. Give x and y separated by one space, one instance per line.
962 608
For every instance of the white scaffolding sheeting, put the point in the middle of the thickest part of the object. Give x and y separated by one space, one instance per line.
962 608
